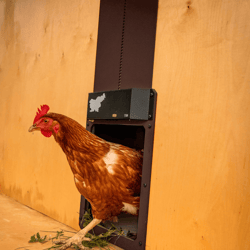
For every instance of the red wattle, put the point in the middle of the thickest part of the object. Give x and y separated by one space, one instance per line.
46 133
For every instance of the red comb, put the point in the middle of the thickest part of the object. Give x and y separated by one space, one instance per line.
44 110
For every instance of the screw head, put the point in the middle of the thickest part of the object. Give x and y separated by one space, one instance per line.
151 94
140 243
144 184
149 116
149 125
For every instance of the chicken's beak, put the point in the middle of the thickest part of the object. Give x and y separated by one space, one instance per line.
33 128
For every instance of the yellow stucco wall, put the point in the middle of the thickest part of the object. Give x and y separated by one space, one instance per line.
47 56
200 192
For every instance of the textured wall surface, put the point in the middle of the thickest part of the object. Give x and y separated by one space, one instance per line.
200 192
200 196
47 56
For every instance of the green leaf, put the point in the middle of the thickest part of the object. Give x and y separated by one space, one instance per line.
37 238
32 239
76 247
100 241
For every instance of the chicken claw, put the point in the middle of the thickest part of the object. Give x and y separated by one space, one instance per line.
80 236
76 240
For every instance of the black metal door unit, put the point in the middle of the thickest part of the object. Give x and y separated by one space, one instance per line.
122 107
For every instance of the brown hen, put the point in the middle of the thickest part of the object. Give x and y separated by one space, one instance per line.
108 175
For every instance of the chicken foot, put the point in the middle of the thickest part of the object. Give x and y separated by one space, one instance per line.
80 236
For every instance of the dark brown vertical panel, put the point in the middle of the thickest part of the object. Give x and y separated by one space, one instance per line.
139 43
109 45
126 42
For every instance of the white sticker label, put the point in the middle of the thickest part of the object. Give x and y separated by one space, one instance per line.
95 104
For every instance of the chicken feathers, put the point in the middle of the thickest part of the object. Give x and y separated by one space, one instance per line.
108 175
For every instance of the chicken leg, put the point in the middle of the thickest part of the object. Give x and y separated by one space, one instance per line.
80 236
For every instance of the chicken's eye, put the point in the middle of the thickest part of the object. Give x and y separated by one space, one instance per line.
46 121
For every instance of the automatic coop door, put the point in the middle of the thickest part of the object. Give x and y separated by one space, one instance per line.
134 130
122 107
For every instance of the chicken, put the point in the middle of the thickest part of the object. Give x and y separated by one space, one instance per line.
108 175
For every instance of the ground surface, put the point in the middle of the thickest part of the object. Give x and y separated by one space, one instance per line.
18 223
